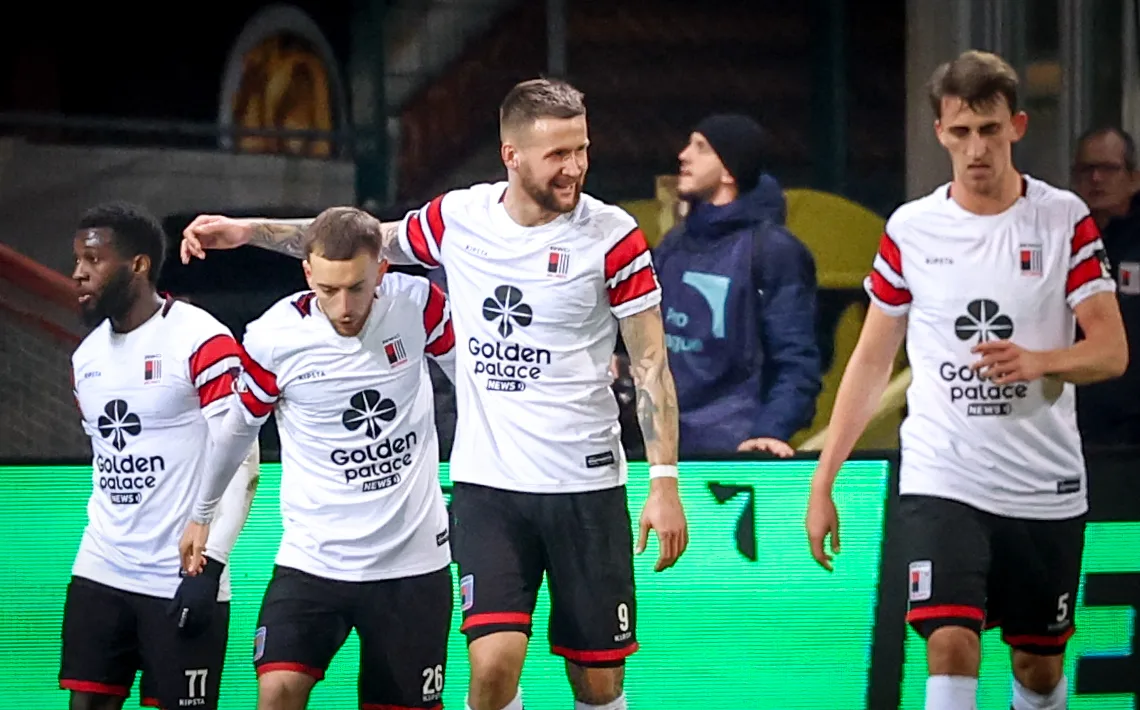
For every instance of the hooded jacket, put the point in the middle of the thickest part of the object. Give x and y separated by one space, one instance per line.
739 305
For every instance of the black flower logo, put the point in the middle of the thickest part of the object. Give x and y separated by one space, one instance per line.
368 409
984 321
507 308
116 422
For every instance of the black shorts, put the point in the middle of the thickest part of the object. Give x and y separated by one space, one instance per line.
504 541
978 570
402 624
109 635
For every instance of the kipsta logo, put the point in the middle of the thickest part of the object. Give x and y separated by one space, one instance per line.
370 410
507 308
116 422
984 321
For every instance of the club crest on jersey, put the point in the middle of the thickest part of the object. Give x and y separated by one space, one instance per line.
152 369
1030 259
558 262
394 350
1129 278
920 574
467 591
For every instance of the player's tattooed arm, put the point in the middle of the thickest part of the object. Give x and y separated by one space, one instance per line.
287 237
657 410
284 236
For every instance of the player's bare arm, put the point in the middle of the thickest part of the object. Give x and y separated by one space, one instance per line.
284 236
658 416
864 381
1101 355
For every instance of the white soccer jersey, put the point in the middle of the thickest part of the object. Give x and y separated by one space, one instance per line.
144 397
360 491
535 313
963 279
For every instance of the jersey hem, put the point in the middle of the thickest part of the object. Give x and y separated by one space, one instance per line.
370 575
1072 508
93 572
546 488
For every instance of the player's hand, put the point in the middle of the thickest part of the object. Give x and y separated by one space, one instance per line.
196 600
1004 362
763 443
192 548
213 231
663 513
822 520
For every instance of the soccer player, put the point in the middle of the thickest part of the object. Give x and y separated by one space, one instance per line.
986 278
366 528
541 277
151 381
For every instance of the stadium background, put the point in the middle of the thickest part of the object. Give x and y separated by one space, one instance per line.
251 107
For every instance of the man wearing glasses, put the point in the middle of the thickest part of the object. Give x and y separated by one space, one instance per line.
1105 176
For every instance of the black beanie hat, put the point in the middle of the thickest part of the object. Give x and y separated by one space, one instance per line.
738 141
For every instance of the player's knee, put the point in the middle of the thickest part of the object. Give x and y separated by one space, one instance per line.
953 650
94 701
596 686
1041 674
283 690
496 663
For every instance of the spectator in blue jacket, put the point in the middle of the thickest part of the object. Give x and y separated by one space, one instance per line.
739 295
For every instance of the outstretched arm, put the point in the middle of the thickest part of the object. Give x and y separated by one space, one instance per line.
285 236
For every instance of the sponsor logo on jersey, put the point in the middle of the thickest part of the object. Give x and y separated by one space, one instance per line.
377 465
124 476
152 369
395 352
1030 259
982 322
507 365
558 262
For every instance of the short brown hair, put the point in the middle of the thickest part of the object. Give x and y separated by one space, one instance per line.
531 100
980 79
340 233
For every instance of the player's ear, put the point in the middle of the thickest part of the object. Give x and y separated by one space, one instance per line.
382 269
939 133
308 274
140 264
510 155
1020 125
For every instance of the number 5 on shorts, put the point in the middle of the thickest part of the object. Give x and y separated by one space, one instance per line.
1062 608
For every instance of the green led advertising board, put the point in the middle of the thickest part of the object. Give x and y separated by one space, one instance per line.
718 630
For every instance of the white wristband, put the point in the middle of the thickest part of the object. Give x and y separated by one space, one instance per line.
662 471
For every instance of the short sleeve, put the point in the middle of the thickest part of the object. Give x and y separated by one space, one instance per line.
421 234
214 364
257 386
886 284
439 335
631 281
1088 271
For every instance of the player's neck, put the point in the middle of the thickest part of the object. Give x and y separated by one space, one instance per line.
141 310
992 203
524 211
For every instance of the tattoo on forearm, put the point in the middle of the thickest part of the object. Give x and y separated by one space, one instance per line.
284 238
657 410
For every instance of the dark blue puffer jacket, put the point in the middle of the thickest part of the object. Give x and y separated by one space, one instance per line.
738 298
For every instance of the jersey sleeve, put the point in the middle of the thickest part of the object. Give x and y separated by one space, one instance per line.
1088 271
421 233
886 284
631 280
257 386
214 364
440 338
